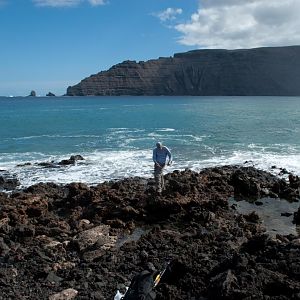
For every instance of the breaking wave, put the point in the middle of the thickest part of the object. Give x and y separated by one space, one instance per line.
101 166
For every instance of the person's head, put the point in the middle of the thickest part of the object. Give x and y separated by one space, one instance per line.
159 145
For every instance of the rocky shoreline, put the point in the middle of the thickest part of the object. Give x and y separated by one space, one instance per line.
91 241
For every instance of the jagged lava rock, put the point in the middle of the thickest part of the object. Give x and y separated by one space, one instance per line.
71 160
8 182
67 294
56 237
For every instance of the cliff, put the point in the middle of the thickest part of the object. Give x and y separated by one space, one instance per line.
249 72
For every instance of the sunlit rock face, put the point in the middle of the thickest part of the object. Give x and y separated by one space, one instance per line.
249 72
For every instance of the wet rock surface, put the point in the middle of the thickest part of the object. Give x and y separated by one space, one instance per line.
8 181
53 164
64 241
71 161
297 217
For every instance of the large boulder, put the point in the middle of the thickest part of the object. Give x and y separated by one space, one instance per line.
297 217
8 182
88 238
245 185
71 161
67 294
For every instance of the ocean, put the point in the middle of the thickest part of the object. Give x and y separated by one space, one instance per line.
116 135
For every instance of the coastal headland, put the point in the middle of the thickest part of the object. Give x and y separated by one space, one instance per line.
91 240
269 71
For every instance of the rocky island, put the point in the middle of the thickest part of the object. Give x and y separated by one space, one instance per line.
245 72
32 94
77 241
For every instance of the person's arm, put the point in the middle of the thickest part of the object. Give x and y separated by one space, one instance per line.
154 156
169 156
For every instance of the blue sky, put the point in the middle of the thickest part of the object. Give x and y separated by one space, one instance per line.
47 45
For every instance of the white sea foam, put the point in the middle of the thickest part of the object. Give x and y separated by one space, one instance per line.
167 134
264 161
166 129
97 167
53 136
107 165
13 159
137 105
116 131
118 128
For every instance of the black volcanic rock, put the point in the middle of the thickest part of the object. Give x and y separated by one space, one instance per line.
50 94
71 160
32 94
74 239
8 182
261 71
296 219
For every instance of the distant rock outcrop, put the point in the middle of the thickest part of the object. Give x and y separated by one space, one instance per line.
32 94
50 94
253 72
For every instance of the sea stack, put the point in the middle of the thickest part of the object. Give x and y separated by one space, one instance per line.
32 94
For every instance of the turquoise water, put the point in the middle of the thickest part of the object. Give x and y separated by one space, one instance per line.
116 134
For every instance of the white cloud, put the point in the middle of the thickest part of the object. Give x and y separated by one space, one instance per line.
242 24
56 3
66 3
168 14
97 2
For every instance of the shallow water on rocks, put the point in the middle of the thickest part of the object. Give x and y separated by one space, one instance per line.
270 210
133 237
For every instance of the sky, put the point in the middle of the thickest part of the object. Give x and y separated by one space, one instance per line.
47 45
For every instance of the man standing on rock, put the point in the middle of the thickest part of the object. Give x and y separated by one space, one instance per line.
160 154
